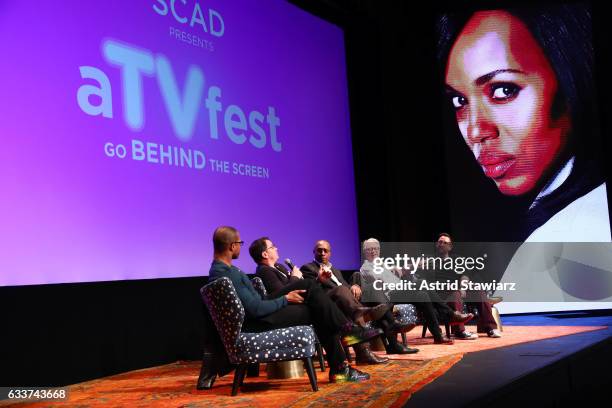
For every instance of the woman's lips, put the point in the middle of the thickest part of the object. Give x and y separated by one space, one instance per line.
495 166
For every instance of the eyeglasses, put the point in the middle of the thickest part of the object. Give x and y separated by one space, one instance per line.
271 247
238 242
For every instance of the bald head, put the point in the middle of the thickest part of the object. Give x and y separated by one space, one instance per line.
322 251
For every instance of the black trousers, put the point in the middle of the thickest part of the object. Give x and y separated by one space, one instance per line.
433 308
345 300
318 309
427 302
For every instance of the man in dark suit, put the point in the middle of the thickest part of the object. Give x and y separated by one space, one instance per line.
276 278
297 304
347 297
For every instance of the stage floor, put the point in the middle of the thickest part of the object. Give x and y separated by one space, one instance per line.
552 372
541 360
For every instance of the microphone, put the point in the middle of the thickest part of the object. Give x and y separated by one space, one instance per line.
289 264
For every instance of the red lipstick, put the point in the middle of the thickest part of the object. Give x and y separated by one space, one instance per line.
495 165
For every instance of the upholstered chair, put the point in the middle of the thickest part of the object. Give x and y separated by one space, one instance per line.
261 288
227 313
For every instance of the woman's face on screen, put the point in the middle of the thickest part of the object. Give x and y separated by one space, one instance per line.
502 88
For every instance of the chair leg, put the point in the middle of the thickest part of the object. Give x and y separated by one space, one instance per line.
404 340
321 359
447 328
311 373
424 329
238 378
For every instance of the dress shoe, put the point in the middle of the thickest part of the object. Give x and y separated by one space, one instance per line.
458 318
398 348
466 335
365 356
347 374
353 334
371 313
444 340
206 380
395 327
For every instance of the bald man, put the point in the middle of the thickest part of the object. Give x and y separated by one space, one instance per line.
347 298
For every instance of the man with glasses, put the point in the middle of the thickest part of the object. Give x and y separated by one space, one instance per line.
431 306
477 298
273 274
277 278
299 303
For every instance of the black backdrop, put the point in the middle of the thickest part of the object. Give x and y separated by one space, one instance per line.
62 334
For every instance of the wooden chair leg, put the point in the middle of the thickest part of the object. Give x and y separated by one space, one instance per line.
424 329
238 378
321 359
311 373
404 340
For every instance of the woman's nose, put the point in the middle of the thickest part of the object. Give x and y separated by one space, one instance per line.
480 125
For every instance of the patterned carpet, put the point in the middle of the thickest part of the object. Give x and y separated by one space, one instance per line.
392 384
173 385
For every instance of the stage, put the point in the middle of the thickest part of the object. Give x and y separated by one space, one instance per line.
551 372
545 359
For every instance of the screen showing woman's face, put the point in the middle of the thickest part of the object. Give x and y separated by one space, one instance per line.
502 88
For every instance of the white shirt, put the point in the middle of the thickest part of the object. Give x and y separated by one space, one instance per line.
327 268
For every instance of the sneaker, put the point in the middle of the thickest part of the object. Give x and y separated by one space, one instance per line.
347 374
494 334
466 335
353 334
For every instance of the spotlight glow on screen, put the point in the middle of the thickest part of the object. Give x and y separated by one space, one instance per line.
132 129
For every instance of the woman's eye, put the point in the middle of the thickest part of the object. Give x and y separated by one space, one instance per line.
503 92
458 101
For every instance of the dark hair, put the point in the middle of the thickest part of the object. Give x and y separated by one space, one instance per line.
223 237
444 234
564 32
257 247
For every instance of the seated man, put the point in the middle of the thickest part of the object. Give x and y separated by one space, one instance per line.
297 304
478 298
428 303
347 298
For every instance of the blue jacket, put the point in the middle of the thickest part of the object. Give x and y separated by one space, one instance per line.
254 305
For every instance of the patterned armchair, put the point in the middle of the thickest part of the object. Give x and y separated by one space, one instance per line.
261 288
227 312
406 315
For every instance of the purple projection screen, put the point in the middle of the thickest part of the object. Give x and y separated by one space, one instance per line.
130 130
